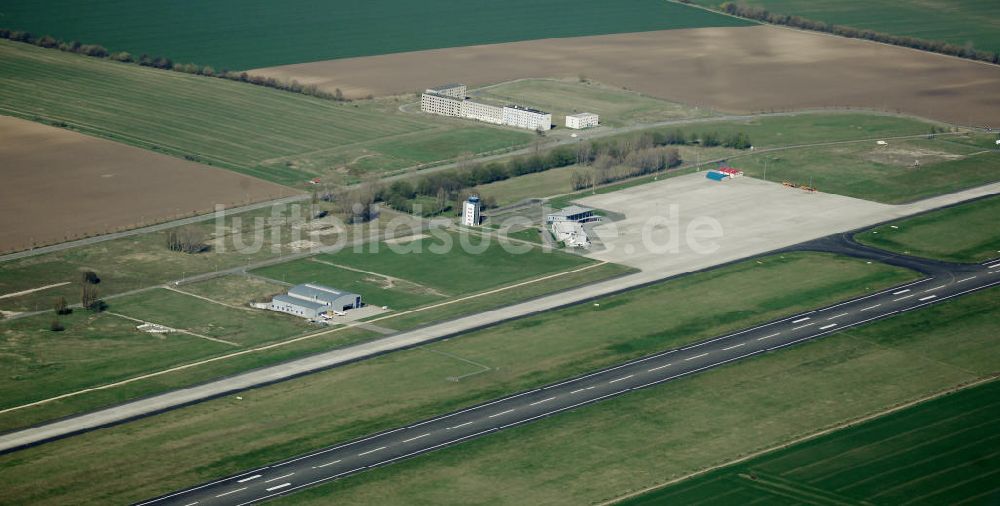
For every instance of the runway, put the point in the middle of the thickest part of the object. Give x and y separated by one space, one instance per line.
943 282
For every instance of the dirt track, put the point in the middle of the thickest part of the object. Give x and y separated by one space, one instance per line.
59 184
736 70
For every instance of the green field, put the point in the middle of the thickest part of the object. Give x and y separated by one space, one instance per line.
884 173
225 435
616 107
279 136
603 451
458 271
940 452
962 233
240 34
955 21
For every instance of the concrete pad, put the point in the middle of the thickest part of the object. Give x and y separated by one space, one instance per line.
690 222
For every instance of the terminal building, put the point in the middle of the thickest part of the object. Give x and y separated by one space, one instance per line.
582 120
314 301
576 214
450 100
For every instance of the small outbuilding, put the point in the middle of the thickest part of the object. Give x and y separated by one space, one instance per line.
578 214
582 120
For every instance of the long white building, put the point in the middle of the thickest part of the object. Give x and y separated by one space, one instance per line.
450 100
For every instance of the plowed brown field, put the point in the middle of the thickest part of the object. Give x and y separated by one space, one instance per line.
738 70
59 185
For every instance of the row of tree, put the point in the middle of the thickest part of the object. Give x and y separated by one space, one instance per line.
936 46
606 169
160 62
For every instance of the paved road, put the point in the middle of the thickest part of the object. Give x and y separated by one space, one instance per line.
944 281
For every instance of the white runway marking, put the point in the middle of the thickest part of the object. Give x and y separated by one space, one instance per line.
278 478
733 347
838 316
380 448
804 326
191 503
327 464
936 288
871 307
254 477
800 320
901 292
696 356
279 487
929 297
966 279
903 298
658 368
580 390
460 425
830 326
621 379
541 401
416 438
501 413
768 337
994 266
232 492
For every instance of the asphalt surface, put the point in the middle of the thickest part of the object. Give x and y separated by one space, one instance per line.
944 281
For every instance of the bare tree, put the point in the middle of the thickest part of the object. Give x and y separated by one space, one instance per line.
60 307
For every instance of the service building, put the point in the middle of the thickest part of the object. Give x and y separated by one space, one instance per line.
311 301
582 120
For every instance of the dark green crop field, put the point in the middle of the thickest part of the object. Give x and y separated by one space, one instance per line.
244 34
941 452
954 21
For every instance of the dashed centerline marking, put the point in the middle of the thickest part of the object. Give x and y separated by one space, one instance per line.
936 288
279 487
800 320
929 297
581 390
541 401
902 298
838 316
966 279
371 451
327 464
254 477
696 356
191 503
869 308
416 438
994 266
621 379
830 326
901 292
804 326
733 347
768 337
232 492
658 368
279 478
460 425
501 413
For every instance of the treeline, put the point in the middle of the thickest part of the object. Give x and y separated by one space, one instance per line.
98 51
606 169
616 158
936 46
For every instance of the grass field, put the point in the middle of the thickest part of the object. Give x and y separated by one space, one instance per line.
242 35
941 452
413 384
616 107
955 21
963 233
278 136
884 173
603 451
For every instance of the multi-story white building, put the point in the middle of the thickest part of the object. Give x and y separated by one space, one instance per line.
525 117
582 120
450 100
470 211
